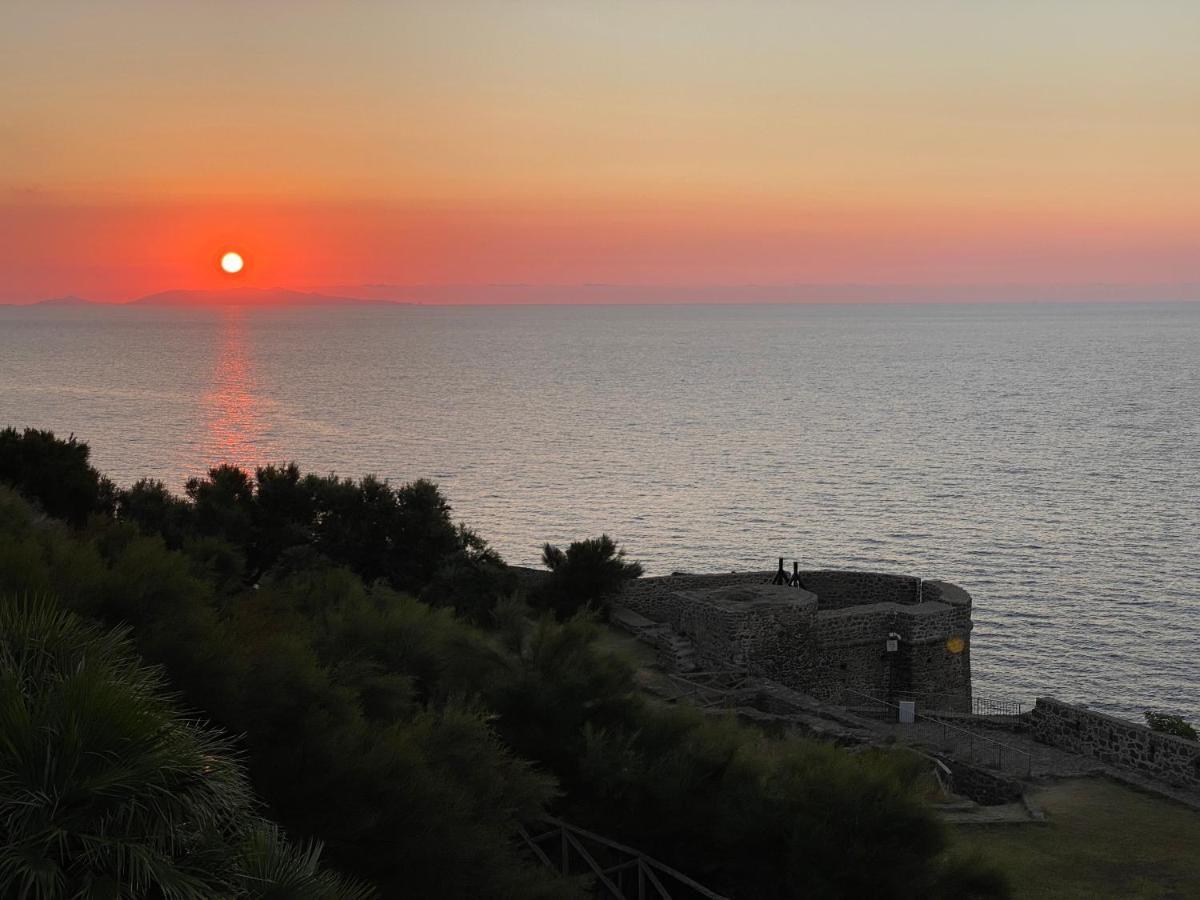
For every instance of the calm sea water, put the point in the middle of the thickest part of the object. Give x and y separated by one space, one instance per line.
1047 458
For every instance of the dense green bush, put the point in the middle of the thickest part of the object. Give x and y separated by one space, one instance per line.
404 536
742 813
558 685
1166 723
411 735
584 576
158 511
471 583
53 473
763 818
107 790
346 697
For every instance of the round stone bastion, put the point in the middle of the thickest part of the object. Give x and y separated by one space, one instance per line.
842 637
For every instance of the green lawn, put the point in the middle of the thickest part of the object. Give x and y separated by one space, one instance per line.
1100 839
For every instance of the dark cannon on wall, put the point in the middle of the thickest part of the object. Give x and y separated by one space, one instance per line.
782 577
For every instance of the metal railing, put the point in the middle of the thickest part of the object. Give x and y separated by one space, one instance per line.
939 702
954 739
617 872
987 706
947 701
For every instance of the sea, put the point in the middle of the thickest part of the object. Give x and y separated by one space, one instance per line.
1044 457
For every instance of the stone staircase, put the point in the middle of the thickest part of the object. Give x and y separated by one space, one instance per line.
675 652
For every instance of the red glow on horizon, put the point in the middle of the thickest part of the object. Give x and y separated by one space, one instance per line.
121 252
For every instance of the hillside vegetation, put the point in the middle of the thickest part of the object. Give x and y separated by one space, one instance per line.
373 679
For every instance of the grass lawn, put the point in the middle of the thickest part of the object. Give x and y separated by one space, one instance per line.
1100 839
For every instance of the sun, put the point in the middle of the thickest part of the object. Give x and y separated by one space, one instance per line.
232 262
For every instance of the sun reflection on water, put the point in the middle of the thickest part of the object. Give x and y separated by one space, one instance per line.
236 427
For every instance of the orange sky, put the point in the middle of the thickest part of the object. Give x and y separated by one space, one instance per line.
568 142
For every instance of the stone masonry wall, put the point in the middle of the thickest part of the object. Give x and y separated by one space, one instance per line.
933 658
764 628
984 786
938 676
1117 742
841 648
840 589
658 597
834 589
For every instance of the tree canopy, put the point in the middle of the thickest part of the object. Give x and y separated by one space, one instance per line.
398 701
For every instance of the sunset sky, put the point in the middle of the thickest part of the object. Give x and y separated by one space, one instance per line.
560 143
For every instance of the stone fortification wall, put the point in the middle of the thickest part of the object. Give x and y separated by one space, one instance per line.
761 627
933 657
934 591
837 590
659 597
834 589
827 639
920 624
1125 745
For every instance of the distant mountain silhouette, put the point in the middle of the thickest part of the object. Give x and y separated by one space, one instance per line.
69 300
595 293
617 293
181 299
248 297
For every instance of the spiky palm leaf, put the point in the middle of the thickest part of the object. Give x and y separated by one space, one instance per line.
271 868
105 789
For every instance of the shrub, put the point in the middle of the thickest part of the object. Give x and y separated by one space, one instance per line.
584 576
471 585
54 473
343 695
411 741
755 817
559 685
155 510
1166 723
107 790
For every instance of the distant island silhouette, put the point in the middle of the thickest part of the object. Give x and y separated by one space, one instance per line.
518 294
249 297
231 297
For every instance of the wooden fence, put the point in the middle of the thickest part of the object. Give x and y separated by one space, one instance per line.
615 871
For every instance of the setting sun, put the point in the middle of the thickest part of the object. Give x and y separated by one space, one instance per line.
232 263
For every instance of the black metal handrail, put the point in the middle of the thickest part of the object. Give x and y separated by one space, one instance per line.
945 701
987 706
947 729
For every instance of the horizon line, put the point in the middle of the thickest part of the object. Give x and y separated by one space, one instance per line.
656 294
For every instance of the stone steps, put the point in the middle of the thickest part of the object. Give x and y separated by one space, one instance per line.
676 653
627 620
